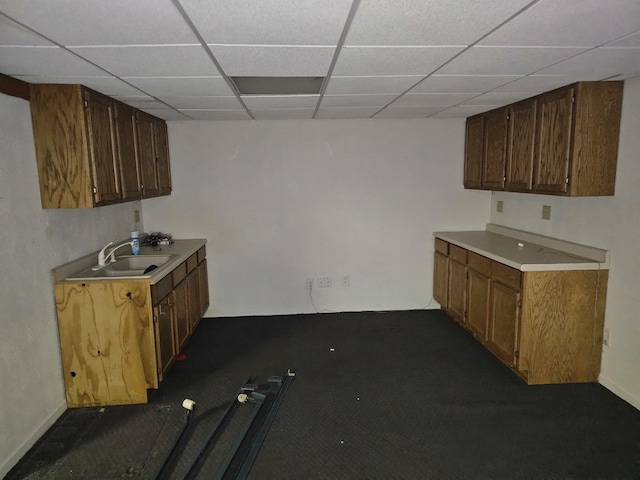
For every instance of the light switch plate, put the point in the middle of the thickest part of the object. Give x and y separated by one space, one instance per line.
546 212
499 206
136 216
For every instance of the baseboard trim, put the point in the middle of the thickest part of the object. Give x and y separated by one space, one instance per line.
13 459
619 391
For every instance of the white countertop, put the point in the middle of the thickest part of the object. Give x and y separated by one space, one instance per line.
526 251
181 249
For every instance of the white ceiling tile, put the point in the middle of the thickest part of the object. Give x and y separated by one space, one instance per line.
271 61
45 61
537 84
464 111
357 100
599 63
576 23
379 61
407 112
100 22
203 102
428 22
506 60
265 102
146 104
111 86
269 22
12 33
166 114
135 98
216 114
299 113
431 99
497 98
177 86
462 83
158 61
632 40
371 85
346 112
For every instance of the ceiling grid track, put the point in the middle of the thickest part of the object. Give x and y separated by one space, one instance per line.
208 51
525 8
334 60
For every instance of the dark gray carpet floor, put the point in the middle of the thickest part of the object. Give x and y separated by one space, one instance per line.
398 395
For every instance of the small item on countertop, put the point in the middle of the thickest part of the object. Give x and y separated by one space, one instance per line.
150 268
135 243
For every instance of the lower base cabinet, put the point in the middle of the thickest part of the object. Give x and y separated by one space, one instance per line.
120 337
545 325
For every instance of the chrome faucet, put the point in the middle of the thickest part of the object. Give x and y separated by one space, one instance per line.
103 257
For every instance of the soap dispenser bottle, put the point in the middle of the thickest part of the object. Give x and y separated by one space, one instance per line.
135 243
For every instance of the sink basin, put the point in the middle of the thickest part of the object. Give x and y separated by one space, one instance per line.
138 262
124 266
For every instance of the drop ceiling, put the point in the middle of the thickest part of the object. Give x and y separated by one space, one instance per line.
379 58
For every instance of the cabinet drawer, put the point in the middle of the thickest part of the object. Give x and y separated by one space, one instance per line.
480 264
458 254
506 275
192 262
202 253
442 247
179 274
161 289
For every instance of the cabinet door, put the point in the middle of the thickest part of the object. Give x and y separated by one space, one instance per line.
203 284
102 148
127 152
457 290
194 299
504 323
162 157
181 314
473 152
147 156
520 149
478 303
440 279
495 149
165 335
553 141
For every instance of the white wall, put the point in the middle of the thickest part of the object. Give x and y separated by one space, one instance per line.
612 223
32 241
280 201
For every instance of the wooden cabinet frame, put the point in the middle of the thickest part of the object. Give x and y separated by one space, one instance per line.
91 149
544 325
119 338
563 142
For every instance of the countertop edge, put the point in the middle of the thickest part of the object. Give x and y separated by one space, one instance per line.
588 264
182 248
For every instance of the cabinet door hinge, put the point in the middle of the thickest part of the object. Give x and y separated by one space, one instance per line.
86 104
155 319
519 304
95 190
516 353
158 371
566 180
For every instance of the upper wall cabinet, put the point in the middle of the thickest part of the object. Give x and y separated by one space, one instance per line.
91 150
563 142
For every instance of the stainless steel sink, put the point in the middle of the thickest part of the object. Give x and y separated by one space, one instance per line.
124 266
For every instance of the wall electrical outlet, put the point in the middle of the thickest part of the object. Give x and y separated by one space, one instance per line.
499 206
309 284
324 282
345 281
606 337
136 216
546 212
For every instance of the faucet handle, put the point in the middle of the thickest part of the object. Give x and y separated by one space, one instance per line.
101 259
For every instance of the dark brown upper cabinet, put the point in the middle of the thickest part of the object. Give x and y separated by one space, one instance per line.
89 150
564 142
